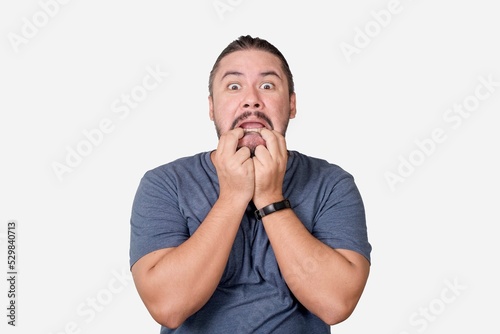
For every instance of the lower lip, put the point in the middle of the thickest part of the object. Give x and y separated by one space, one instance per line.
252 125
251 139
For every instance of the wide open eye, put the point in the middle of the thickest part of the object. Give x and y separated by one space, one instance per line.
233 86
267 85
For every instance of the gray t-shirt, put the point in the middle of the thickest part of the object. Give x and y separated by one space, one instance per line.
173 200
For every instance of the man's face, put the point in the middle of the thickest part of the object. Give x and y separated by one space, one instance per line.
250 90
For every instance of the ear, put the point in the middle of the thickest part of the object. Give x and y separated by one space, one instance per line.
211 107
293 105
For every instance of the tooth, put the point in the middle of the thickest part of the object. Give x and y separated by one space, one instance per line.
253 130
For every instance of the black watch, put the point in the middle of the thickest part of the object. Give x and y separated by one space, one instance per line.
285 204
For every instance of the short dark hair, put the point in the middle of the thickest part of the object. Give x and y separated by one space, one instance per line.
250 43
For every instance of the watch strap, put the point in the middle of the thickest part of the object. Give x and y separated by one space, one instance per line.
267 210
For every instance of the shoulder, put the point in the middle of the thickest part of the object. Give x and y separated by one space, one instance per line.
319 179
171 175
180 166
316 168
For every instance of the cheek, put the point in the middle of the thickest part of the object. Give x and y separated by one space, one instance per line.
222 119
281 118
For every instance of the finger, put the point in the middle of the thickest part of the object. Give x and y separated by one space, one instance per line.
261 155
282 143
275 142
242 154
229 141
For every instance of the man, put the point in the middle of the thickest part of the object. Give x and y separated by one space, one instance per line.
251 237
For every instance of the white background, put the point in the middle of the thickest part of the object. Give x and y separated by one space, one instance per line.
364 112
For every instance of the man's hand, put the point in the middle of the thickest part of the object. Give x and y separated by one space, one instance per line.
235 168
270 167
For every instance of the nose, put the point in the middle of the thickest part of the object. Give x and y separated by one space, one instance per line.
252 100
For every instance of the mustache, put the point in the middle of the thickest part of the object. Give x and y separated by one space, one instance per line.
247 114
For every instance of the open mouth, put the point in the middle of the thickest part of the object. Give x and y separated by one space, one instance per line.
253 122
252 134
252 127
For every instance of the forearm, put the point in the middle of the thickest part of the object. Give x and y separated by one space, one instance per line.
324 281
182 280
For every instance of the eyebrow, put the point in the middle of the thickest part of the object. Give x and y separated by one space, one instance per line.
263 74
228 73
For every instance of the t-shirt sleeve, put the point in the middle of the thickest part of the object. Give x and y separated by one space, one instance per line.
341 222
156 221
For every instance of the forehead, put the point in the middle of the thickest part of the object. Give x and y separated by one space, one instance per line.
250 62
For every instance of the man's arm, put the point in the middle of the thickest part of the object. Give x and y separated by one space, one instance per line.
327 281
176 282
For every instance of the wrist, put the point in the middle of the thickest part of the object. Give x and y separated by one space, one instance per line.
235 201
264 201
271 208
